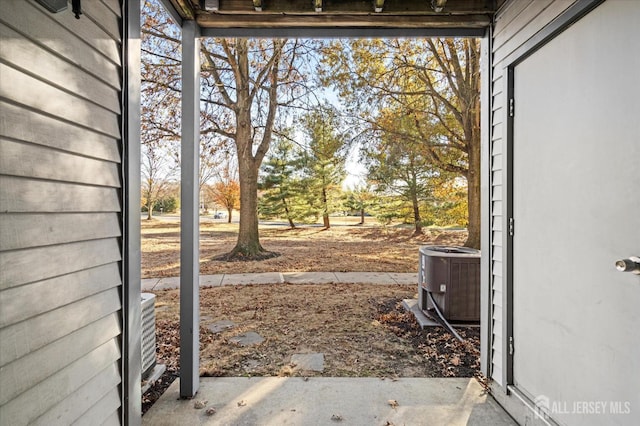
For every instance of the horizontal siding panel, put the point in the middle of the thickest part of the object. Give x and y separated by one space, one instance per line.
43 97
497 189
21 15
514 18
498 101
93 35
497 291
104 17
496 175
496 372
496 223
498 331
103 409
26 125
496 346
497 250
25 55
497 147
497 114
496 163
27 160
72 407
497 85
507 13
20 231
497 310
497 134
496 269
114 6
522 34
26 301
112 420
20 339
36 401
496 194
497 206
19 195
26 372
27 266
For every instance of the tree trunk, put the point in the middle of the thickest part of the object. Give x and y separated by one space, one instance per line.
248 245
150 211
286 211
229 211
362 216
416 214
473 199
325 207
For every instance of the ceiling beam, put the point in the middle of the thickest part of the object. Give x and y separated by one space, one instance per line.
343 20
184 8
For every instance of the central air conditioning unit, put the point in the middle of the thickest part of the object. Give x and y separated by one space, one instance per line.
452 276
148 333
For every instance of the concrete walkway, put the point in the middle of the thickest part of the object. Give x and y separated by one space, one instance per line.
329 401
383 278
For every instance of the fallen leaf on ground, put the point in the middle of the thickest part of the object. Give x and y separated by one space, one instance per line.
200 404
337 418
242 403
393 403
210 411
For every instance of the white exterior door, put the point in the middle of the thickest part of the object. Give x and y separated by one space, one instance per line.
576 209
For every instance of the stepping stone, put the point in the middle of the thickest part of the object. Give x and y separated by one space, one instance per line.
220 326
308 362
247 339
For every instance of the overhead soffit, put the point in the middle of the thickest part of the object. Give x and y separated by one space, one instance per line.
418 14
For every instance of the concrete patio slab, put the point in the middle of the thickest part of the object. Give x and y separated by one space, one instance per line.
309 277
261 278
424 321
308 362
411 305
365 277
356 401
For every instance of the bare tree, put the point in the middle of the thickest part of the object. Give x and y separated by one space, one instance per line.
246 84
157 174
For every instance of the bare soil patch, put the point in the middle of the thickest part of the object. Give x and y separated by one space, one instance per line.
362 330
344 247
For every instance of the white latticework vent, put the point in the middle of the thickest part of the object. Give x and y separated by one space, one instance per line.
148 333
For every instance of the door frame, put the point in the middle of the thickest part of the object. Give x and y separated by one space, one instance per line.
574 13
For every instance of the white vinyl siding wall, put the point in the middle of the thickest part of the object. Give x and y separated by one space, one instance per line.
515 23
60 214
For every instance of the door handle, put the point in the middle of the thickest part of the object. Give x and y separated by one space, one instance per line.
632 264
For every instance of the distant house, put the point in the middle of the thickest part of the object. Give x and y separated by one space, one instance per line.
559 187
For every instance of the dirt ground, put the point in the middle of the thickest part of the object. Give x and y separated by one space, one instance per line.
345 247
362 330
